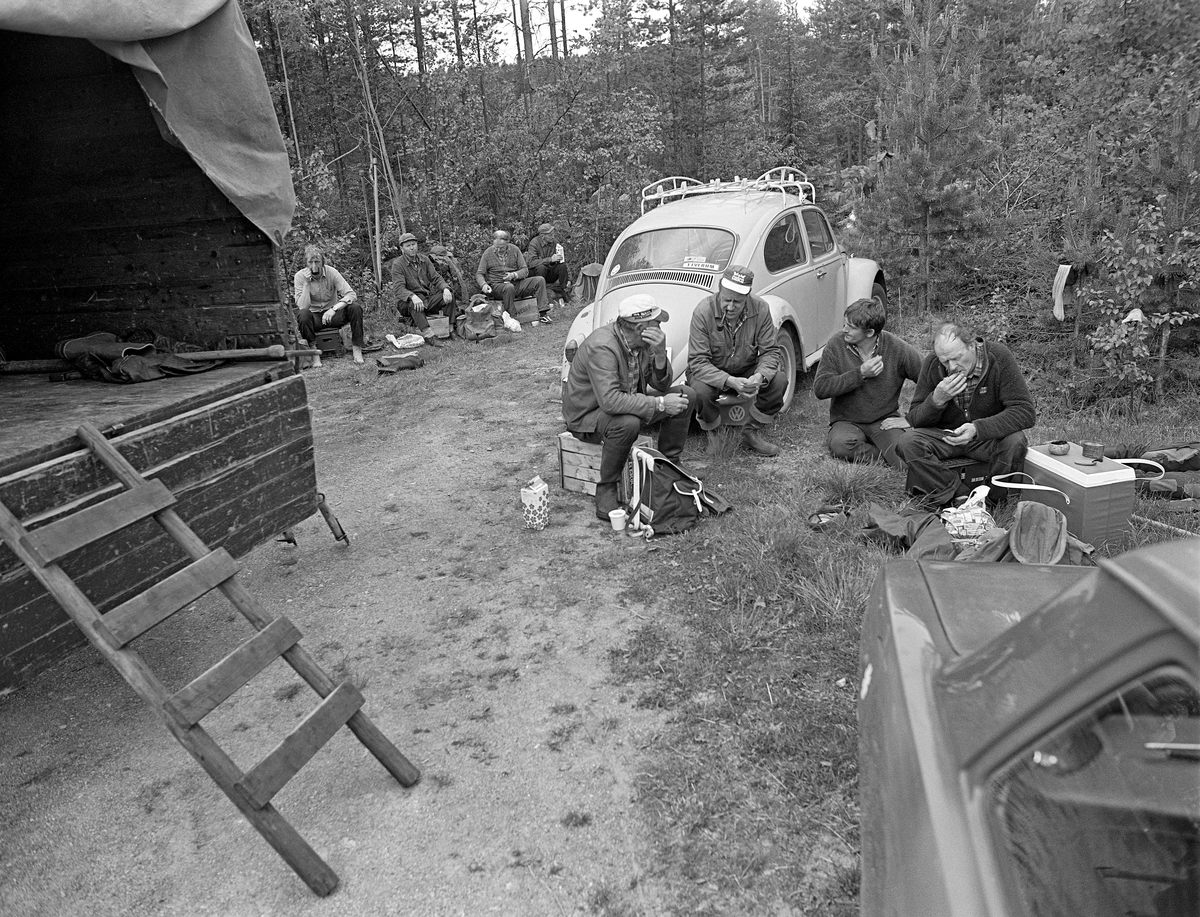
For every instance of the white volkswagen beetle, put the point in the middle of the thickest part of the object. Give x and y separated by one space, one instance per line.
689 232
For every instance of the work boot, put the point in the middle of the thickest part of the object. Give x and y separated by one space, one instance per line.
751 438
606 500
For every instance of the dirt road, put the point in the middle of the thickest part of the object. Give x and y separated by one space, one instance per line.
482 649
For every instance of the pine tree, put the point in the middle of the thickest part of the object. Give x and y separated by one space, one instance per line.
933 128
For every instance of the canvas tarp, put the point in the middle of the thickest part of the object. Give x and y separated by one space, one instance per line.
198 66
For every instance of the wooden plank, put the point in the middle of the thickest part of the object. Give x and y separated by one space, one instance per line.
581 473
159 602
577 486
194 702
271 774
568 443
579 460
61 538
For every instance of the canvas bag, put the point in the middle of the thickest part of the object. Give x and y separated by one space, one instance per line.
666 499
475 323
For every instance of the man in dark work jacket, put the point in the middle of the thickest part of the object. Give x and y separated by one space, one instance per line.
971 401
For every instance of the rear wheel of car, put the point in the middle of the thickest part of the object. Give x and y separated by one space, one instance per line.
789 348
879 294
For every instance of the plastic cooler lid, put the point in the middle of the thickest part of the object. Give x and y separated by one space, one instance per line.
1106 471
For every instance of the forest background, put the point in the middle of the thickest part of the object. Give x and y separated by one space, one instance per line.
970 146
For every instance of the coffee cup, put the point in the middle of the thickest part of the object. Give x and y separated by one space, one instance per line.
618 518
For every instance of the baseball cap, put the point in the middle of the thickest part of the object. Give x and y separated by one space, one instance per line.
439 250
546 228
641 307
407 237
738 278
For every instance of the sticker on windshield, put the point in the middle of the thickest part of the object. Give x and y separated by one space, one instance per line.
697 262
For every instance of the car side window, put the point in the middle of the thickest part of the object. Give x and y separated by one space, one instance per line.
784 246
1102 815
819 236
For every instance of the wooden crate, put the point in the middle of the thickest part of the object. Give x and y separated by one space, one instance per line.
579 466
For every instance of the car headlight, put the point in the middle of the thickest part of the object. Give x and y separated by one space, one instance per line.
570 350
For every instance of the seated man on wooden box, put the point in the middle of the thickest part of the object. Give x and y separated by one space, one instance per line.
972 402
547 260
325 300
619 381
504 275
420 290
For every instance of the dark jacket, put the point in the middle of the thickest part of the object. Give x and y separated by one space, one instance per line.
859 400
415 275
540 250
716 351
602 380
1000 405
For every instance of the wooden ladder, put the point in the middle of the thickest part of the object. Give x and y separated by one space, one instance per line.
182 711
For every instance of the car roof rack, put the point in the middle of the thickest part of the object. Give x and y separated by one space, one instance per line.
676 187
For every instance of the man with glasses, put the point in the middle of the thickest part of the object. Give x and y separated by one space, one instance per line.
862 371
972 402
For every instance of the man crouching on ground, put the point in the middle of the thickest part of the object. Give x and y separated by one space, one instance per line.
971 401
613 389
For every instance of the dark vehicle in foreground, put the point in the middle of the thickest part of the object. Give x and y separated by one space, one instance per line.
1029 738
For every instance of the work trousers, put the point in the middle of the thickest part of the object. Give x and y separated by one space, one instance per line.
308 322
925 454
509 293
556 274
865 442
433 306
618 432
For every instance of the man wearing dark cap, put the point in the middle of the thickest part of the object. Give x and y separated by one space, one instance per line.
620 380
504 275
419 288
733 347
546 260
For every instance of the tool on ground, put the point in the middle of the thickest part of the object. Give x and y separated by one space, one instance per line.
42 548
274 352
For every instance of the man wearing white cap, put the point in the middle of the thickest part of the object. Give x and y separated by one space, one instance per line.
733 347
546 260
620 380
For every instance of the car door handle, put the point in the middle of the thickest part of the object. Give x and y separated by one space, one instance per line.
821 274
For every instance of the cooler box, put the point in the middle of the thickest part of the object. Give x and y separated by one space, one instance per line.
1102 494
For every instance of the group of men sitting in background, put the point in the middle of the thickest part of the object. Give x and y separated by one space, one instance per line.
433 283
970 401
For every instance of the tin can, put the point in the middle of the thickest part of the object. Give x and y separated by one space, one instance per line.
1092 450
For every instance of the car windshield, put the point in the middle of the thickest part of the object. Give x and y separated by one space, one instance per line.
700 248
1102 815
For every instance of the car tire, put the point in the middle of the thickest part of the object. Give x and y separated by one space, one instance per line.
790 364
879 294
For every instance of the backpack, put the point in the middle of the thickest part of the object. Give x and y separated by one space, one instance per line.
666 499
475 323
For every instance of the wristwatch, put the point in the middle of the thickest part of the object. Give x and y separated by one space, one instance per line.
662 404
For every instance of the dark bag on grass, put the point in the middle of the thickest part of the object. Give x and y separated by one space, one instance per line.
475 323
666 499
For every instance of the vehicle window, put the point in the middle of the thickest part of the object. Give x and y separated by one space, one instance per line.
684 247
819 236
784 245
1102 816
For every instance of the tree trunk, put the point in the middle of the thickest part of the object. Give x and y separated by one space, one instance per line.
419 37
479 65
287 94
926 279
562 18
458 46
553 30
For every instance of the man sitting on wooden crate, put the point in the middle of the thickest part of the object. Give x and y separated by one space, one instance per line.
504 275
971 401
419 288
619 380
325 300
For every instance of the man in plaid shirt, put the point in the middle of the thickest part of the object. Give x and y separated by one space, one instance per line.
971 401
